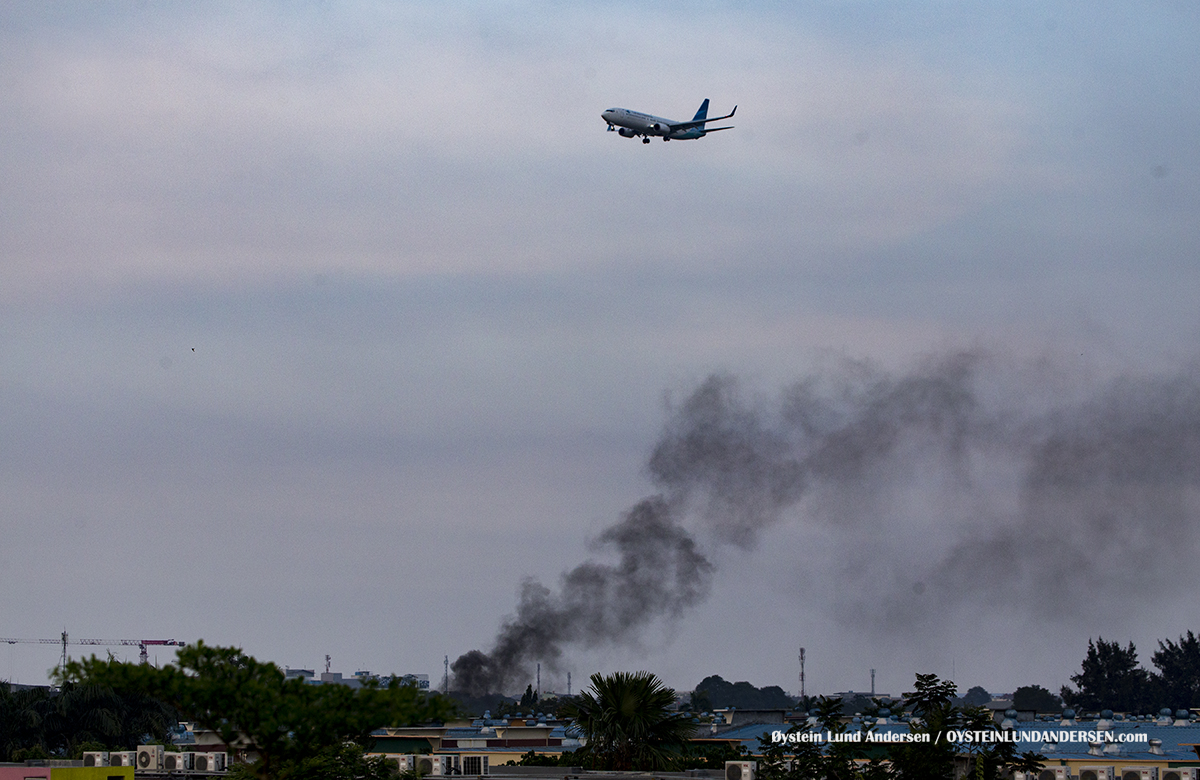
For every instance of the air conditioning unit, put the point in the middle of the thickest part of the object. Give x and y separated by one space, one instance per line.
176 762
435 765
478 764
96 758
1095 773
150 757
1181 773
740 770
209 762
1139 773
406 763
122 758
1052 773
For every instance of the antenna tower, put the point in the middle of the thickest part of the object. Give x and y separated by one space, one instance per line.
872 682
446 675
568 683
539 682
802 673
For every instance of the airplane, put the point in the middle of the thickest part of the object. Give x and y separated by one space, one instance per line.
630 124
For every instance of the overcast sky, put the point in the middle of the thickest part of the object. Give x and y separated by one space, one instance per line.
324 325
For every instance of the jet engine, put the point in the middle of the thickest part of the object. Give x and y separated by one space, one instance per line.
626 132
660 129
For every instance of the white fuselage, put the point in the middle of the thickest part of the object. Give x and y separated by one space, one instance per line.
647 125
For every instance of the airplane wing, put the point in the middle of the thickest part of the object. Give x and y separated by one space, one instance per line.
699 122
715 129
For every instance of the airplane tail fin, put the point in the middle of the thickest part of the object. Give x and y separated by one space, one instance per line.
703 112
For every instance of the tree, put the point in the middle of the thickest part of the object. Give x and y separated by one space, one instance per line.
1178 677
742 695
711 755
285 722
700 702
932 705
1036 698
810 759
976 697
530 699
58 723
1110 678
335 761
628 723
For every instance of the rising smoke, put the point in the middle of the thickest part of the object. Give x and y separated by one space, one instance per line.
660 573
963 483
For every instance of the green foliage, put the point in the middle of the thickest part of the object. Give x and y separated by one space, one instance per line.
529 699
559 707
628 723
547 759
31 753
287 723
813 760
976 697
859 702
742 695
1036 698
700 701
335 762
1178 677
1110 678
499 706
931 703
60 723
710 755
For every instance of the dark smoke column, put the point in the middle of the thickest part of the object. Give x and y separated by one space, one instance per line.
659 573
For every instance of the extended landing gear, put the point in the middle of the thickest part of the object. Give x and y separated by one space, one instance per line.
645 140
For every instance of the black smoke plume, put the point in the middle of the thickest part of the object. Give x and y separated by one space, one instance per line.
659 574
967 482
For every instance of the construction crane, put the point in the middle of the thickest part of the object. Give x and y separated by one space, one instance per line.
142 644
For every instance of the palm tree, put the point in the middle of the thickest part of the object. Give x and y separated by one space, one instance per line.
627 721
